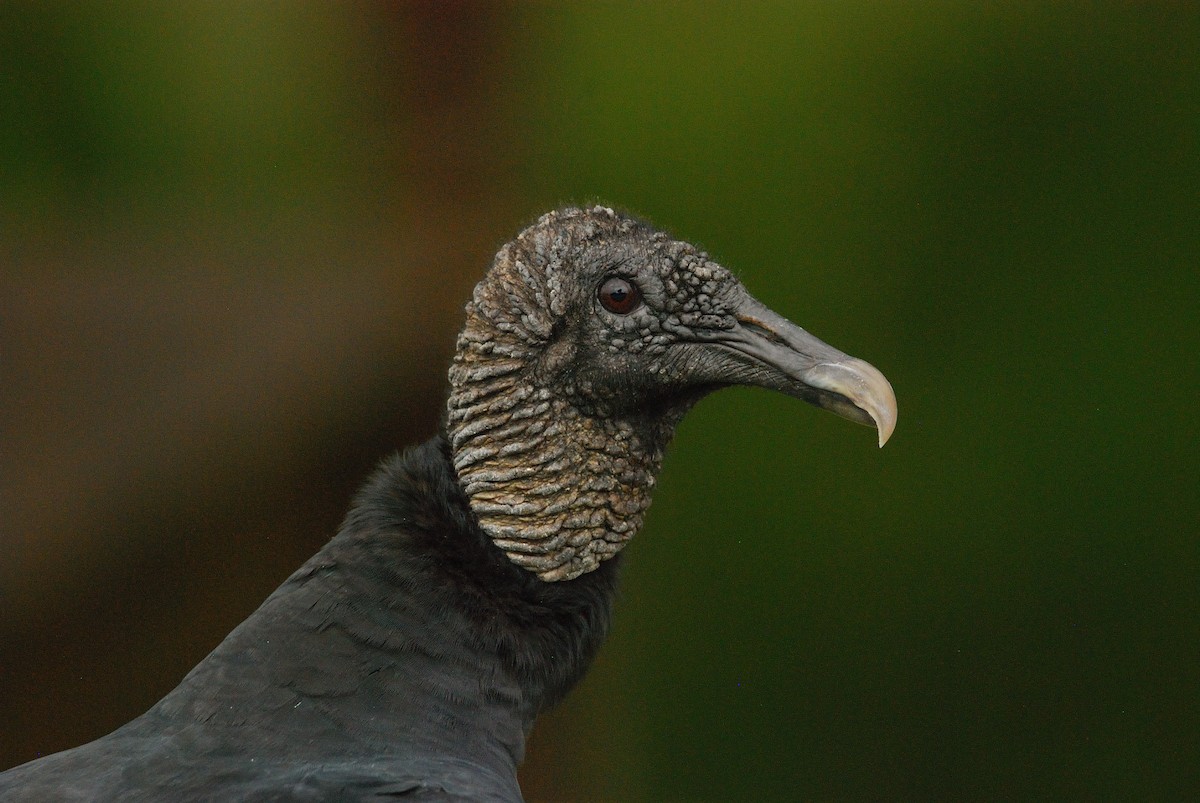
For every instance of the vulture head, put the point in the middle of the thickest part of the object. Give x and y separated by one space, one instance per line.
587 341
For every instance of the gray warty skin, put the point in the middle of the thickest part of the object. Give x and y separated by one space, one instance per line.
472 581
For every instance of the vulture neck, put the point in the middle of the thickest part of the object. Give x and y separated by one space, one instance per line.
409 629
558 489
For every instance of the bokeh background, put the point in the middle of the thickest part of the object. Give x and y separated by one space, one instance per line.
235 240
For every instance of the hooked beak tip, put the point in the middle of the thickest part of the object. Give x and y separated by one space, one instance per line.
864 387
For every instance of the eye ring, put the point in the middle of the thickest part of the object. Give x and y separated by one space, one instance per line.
619 295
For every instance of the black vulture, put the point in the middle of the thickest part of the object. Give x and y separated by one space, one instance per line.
472 580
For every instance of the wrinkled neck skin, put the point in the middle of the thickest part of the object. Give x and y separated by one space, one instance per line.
557 488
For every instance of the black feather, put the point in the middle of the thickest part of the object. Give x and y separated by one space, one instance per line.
408 658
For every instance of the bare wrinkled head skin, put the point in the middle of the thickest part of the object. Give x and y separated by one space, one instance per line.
560 408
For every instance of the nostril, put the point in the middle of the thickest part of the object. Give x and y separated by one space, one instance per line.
754 327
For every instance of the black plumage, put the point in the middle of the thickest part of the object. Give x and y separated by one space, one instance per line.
472 580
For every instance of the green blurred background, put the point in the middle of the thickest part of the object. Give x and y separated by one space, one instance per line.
235 240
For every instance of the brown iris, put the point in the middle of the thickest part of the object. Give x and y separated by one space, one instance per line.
619 295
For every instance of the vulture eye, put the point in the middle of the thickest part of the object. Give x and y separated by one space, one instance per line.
619 295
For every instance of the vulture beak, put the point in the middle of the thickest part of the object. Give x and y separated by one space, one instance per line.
783 357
